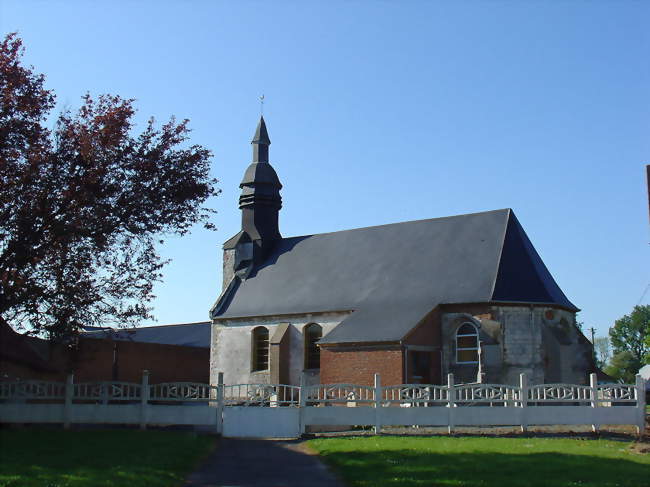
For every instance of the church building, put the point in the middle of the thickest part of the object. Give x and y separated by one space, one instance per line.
414 301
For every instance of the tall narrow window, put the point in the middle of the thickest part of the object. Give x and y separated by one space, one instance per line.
260 348
467 344
313 333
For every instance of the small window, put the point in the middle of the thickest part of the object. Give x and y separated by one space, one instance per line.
313 333
467 344
260 348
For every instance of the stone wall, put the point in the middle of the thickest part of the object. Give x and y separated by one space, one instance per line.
542 342
567 354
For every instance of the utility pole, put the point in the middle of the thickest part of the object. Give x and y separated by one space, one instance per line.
593 344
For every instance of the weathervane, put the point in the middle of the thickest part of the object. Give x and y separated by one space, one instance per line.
262 105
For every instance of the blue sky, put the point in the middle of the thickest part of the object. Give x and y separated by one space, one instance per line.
383 112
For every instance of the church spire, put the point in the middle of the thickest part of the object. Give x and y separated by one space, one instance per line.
261 142
259 201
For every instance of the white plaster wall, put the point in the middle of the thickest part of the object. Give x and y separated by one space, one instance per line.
228 267
231 345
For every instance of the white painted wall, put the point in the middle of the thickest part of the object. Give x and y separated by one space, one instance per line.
502 405
231 345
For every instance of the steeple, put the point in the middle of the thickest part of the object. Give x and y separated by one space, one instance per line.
261 143
260 204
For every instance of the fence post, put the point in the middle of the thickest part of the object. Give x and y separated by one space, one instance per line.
302 404
451 404
144 399
377 404
67 405
104 392
523 401
593 383
640 404
220 398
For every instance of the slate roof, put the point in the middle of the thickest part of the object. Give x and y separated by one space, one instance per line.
187 334
392 275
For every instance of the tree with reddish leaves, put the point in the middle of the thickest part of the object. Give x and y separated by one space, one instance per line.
83 205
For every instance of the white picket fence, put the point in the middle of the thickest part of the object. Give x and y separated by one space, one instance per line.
277 410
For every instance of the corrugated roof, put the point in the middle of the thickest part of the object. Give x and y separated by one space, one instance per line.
391 276
186 334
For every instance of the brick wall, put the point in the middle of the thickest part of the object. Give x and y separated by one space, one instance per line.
10 370
355 365
100 360
165 363
425 334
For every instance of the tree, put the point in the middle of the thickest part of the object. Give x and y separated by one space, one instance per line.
623 366
628 337
602 352
82 206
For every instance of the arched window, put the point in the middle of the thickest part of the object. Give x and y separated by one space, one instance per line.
467 344
313 332
260 350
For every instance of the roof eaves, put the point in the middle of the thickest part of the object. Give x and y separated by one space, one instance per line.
281 315
216 307
534 304
368 344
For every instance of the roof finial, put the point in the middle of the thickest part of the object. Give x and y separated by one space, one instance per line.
262 105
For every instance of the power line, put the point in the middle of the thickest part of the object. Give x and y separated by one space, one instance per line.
643 295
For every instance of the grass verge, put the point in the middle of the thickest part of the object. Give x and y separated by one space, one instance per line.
57 458
480 461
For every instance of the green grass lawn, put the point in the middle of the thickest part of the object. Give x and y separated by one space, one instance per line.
481 461
57 458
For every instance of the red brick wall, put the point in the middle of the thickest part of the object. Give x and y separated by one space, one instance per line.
93 361
427 333
165 363
15 371
354 365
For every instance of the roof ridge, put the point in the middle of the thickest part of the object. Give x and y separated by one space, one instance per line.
401 223
108 328
509 215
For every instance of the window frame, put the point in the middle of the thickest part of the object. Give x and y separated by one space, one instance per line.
476 348
311 348
256 349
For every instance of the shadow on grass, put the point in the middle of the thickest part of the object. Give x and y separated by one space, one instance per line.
107 458
469 469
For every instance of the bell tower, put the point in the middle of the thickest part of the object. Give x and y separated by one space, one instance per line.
260 199
260 204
